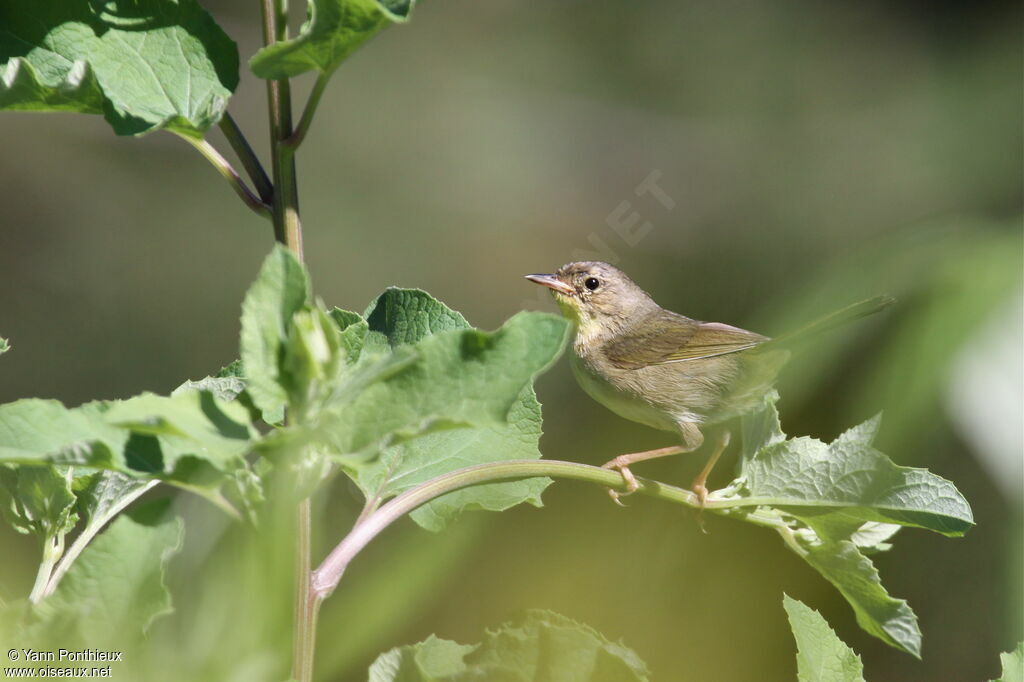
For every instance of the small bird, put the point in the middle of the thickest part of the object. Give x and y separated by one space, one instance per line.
665 370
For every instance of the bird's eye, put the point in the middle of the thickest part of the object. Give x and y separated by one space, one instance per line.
591 283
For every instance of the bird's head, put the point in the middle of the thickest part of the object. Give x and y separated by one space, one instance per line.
597 296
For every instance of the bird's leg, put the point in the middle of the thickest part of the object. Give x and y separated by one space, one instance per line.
622 463
698 486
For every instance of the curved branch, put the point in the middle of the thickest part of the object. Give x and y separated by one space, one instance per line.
228 172
299 134
325 578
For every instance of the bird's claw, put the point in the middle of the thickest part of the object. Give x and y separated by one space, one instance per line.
701 492
632 485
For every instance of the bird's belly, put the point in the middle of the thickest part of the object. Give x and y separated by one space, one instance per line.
624 402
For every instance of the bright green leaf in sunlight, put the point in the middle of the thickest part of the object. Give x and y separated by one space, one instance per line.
33 429
405 316
116 588
851 477
334 30
281 290
192 439
1013 664
821 656
540 646
37 499
476 385
4 345
834 503
458 377
193 423
143 64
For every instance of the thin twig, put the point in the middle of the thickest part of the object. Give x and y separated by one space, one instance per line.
309 111
248 157
224 168
326 577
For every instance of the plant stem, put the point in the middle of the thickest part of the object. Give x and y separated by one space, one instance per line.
326 577
53 548
94 526
288 231
306 608
310 109
229 173
287 227
373 520
248 157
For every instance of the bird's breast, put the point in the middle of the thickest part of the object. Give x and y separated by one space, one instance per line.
613 388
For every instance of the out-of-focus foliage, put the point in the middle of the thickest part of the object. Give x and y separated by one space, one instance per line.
539 646
1013 664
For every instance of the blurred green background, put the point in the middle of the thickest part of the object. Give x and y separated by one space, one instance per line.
814 154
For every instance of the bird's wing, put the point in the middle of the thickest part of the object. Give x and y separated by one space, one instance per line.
674 338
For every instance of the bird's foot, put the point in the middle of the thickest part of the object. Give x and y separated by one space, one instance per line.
621 464
701 492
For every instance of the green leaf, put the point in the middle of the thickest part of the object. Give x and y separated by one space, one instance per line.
540 646
404 316
821 655
853 574
223 388
416 461
835 503
807 477
1013 664
35 430
4 345
281 290
194 423
143 64
400 317
100 494
116 587
459 377
334 30
353 330
37 500
432 659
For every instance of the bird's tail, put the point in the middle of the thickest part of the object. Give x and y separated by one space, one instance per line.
852 312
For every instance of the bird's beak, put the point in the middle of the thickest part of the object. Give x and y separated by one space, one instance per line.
552 282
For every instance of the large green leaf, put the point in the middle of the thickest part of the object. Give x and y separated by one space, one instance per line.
192 439
334 30
807 477
406 316
459 377
144 64
821 656
195 423
834 503
116 588
36 430
540 646
402 316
